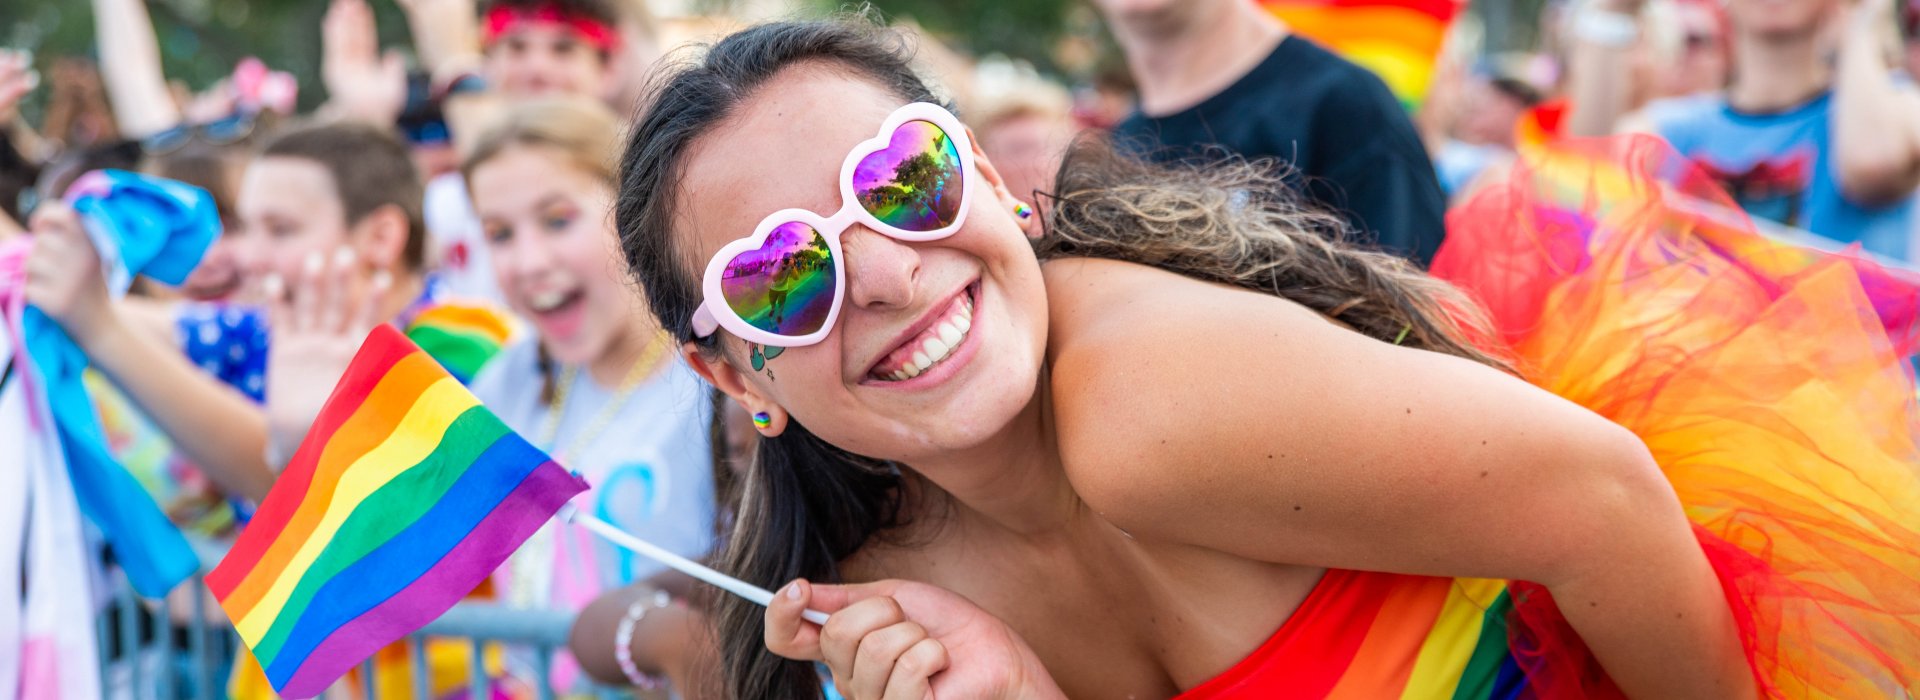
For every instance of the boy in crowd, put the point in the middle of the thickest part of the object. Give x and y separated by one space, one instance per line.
1813 131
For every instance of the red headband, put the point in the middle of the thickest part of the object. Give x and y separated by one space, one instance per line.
501 19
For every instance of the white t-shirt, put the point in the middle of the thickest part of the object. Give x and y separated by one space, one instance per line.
456 245
649 466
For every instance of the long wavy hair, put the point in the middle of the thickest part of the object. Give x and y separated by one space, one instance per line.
805 505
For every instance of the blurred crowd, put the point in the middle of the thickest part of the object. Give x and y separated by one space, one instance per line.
460 186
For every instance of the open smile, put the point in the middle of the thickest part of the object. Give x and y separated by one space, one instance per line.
932 343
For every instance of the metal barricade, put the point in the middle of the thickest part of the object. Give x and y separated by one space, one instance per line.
183 647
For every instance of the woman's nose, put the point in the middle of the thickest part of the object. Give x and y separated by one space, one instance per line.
880 271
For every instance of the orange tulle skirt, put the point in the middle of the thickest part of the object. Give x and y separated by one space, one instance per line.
1771 382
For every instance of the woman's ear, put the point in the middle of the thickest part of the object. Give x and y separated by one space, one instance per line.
1023 212
768 417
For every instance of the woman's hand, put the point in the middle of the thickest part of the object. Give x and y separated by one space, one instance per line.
315 336
64 278
903 640
17 78
361 82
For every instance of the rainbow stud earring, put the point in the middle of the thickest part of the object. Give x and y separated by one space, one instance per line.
761 420
1023 211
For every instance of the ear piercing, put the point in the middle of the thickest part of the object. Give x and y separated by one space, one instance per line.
761 420
1021 210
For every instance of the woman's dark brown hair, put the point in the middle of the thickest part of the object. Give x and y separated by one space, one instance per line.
805 505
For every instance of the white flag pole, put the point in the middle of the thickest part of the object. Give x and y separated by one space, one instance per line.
756 594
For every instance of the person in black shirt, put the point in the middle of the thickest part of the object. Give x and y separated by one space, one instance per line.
1222 74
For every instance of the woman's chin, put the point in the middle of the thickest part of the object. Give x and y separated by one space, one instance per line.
567 351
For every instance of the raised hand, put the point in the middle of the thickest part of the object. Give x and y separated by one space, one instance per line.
445 33
361 83
318 323
64 278
17 78
904 640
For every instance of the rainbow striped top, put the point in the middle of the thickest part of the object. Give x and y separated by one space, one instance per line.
1364 635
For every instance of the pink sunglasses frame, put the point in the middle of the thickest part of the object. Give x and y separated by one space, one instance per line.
714 313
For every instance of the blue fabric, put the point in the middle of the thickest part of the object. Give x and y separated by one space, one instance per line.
229 342
1780 167
160 229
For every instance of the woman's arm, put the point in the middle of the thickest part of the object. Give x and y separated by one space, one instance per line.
220 430
675 640
1232 420
1600 67
1876 123
130 67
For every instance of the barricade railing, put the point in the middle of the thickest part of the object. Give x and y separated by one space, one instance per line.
183 647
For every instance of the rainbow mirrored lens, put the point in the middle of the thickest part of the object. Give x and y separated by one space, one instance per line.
914 184
785 287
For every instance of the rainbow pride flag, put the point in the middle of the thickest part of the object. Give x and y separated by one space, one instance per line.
462 336
1397 39
405 495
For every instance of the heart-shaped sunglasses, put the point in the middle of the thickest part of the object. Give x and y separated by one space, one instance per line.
783 285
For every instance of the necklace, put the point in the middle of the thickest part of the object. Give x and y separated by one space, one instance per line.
550 426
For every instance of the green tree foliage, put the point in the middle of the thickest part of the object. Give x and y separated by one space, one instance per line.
200 40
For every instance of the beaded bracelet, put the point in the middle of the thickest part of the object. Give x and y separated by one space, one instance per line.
623 639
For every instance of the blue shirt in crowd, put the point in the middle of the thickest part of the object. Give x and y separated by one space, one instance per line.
1779 166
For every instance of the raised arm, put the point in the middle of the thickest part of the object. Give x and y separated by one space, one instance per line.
130 68
220 430
1602 35
1228 419
1876 123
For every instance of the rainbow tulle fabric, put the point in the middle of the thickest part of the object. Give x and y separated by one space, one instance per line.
1771 383
1399 40
1769 380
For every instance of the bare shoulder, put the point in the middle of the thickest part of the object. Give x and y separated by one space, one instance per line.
1144 362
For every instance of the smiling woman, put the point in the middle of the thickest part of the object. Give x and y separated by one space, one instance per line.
598 386
1170 446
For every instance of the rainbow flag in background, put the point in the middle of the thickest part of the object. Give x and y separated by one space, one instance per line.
405 495
461 336
1397 39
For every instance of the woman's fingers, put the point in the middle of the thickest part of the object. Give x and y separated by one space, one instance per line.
368 315
54 219
873 662
305 293
912 677
841 637
336 290
787 633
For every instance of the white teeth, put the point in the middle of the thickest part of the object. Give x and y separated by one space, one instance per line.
547 301
948 335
